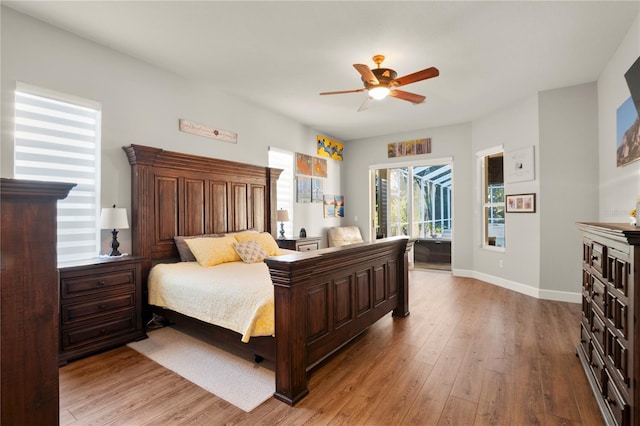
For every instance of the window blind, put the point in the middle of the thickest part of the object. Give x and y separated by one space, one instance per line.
282 159
59 141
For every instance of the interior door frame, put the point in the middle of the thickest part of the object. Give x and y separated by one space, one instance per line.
401 164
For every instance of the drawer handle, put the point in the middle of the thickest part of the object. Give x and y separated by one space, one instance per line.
594 329
101 283
596 294
594 257
611 401
583 341
103 331
102 306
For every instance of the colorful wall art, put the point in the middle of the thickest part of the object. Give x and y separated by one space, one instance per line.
329 148
303 164
303 189
316 190
333 206
628 133
319 167
408 148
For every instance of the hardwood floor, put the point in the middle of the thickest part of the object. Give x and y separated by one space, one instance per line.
469 354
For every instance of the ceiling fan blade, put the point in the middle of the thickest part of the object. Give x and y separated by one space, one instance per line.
365 104
339 92
407 96
416 76
366 73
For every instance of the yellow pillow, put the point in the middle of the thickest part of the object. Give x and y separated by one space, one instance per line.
213 251
264 238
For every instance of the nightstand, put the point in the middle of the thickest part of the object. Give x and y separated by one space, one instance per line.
300 243
100 305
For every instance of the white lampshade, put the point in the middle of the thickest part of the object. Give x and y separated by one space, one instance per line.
114 218
282 215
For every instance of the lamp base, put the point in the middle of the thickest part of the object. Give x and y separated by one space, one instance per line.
115 244
281 237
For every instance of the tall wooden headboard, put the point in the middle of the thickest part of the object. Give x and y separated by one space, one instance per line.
181 194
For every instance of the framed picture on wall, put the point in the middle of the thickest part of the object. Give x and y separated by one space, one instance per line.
521 203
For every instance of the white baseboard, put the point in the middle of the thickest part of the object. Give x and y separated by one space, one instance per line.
538 293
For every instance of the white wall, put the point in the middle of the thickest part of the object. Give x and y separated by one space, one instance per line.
514 127
141 104
568 183
449 141
619 186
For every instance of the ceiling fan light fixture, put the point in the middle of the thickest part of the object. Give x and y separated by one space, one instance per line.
379 92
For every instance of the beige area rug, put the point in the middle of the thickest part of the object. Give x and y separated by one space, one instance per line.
238 381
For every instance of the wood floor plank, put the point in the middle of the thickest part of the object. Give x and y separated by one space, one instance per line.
457 411
468 383
557 384
527 391
494 407
396 398
430 402
470 352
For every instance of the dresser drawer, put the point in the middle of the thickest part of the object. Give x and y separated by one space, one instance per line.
599 331
87 284
616 403
598 295
598 256
94 333
585 340
597 367
74 312
307 246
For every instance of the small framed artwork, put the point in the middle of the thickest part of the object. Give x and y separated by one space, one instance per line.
519 165
521 203
316 190
303 189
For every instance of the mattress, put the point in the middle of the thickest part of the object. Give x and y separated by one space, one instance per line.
235 295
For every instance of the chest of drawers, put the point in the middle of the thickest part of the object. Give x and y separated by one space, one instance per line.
609 330
100 306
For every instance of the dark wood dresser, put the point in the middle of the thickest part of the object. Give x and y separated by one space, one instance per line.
100 305
610 330
300 243
29 302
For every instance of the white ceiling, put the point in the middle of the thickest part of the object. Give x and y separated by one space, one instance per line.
282 54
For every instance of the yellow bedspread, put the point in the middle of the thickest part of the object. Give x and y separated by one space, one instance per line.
234 295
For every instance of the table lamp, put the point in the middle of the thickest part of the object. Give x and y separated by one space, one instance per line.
114 218
282 216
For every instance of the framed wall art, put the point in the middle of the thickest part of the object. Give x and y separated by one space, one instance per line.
521 203
519 165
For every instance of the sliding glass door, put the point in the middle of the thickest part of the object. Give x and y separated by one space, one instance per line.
414 201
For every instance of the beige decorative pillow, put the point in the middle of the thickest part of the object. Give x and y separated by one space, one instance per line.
213 251
264 238
250 251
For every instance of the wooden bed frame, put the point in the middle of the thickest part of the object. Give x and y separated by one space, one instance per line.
323 299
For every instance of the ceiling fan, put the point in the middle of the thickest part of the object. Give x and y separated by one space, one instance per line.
380 82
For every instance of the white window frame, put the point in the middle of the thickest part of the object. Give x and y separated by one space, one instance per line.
285 197
44 150
483 205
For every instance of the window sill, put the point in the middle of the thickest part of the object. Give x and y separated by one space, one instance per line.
493 248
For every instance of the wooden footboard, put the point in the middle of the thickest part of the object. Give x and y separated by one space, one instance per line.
326 298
